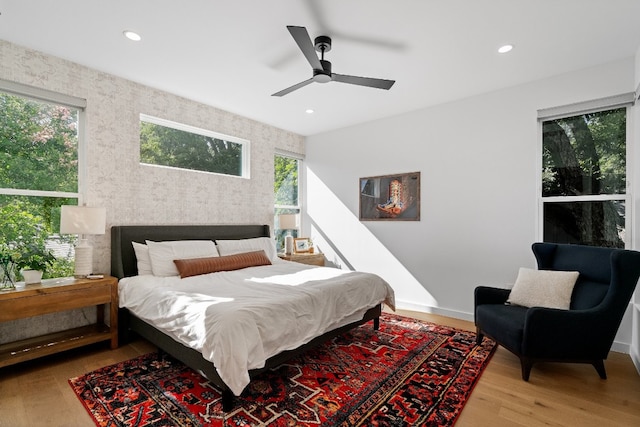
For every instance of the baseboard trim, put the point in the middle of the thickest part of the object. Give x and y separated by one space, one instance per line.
621 347
635 358
412 306
617 346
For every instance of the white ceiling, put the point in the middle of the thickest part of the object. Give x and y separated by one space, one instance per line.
233 54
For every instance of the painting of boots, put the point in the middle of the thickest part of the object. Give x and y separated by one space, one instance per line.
390 197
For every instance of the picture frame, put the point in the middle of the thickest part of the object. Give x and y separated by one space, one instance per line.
301 245
390 197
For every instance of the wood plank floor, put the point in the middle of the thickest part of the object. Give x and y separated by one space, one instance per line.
557 394
37 393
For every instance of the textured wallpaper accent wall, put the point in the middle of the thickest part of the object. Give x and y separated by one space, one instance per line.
139 194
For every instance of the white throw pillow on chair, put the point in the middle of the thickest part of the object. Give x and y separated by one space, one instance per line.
543 288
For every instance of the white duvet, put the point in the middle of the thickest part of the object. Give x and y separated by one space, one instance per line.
238 319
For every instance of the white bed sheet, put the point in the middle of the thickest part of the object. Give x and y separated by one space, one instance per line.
238 319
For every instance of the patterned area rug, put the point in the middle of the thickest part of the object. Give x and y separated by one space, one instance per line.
407 373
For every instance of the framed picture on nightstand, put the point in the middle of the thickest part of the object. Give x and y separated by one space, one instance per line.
301 245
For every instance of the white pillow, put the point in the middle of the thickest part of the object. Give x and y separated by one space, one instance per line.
142 256
162 254
543 288
232 247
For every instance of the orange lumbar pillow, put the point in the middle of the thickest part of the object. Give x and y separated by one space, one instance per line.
197 266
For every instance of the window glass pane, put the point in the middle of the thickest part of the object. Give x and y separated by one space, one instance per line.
286 181
38 145
31 225
285 194
166 146
598 223
585 154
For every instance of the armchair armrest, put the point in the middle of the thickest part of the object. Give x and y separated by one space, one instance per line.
567 334
490 295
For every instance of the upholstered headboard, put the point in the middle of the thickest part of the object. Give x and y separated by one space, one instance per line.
123 258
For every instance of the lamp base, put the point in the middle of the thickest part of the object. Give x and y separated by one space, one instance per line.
83 260
288 244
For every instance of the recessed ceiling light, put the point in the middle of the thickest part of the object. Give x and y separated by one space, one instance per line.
308 111
132 35
506 48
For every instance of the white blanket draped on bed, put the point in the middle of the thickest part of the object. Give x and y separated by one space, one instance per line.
238 319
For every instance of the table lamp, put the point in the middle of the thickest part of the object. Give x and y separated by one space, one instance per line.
82 220
288 222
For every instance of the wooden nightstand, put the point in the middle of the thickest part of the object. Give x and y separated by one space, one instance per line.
54 295
304 258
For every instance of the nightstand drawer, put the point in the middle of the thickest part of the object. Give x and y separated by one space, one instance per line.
51 300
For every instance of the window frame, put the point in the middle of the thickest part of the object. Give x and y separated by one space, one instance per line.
64 262
299 206
51 97
245 143
603 104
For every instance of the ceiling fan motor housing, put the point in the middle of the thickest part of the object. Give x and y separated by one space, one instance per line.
322 44
324 75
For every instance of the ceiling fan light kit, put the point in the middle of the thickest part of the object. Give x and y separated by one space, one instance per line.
322 72
324 75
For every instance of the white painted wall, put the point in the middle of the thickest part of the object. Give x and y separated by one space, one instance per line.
477 157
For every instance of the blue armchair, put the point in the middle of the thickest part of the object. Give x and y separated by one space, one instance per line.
582 334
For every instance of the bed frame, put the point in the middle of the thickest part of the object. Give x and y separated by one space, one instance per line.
124 264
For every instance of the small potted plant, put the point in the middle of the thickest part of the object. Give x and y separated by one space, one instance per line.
33 261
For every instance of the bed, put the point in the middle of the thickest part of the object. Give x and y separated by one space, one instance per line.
282 324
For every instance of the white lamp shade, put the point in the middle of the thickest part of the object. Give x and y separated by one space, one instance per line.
82 220
288 221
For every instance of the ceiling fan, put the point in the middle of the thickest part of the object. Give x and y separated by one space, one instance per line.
322 68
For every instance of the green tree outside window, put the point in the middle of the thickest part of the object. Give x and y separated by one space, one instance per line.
584 178
38 152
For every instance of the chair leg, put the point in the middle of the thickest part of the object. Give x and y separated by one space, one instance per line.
599 365
479 336
526 364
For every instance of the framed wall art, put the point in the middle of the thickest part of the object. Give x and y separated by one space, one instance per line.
390 197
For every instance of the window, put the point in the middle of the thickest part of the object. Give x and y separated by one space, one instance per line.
39 171
167 143
286 191
584 178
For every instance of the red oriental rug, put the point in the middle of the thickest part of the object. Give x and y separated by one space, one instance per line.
407 373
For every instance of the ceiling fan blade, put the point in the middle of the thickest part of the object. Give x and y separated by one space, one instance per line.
292 88
301 36
363 81
316 12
